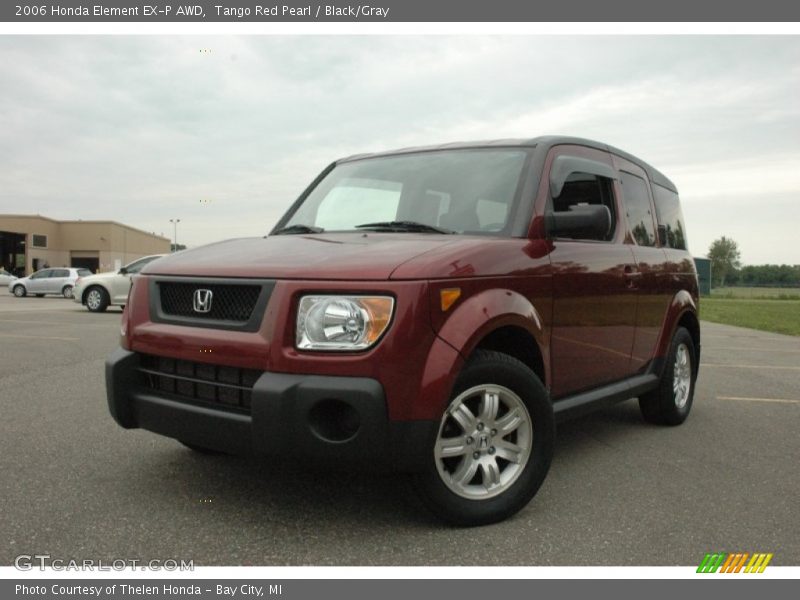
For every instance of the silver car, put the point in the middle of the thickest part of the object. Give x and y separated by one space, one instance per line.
98 292
58 281
6 278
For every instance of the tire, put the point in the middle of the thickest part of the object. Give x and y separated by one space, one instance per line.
19 291
671 401
202 449
471 450
96 299
66 291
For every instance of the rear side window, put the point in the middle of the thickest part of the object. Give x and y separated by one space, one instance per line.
84 272
586 189
637 209
60 273
670 217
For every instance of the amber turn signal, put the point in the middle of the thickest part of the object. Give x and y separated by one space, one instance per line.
448 297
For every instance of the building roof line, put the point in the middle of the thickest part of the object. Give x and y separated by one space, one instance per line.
89 221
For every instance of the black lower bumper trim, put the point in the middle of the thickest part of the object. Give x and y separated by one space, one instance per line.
329 420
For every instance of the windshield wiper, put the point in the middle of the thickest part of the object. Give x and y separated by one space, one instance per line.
411 226
298 228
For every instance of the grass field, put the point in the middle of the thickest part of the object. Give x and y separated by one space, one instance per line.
767 309
757 293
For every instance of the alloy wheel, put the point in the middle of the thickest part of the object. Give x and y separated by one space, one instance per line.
484 442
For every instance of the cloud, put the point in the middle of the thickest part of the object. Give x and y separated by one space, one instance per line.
146 128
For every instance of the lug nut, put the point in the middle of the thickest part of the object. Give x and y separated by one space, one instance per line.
469 439
494 431
476 455
480 426
491 449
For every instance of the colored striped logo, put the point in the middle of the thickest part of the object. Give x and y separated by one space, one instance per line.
735 562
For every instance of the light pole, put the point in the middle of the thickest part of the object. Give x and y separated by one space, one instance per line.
175 233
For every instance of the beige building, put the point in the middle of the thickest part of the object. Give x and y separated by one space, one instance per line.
29 242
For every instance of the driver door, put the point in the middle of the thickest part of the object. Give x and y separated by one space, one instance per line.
594 303
38 281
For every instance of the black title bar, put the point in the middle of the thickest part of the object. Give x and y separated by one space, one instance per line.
194 11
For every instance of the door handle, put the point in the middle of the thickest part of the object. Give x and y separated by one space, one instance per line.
631 271
631 275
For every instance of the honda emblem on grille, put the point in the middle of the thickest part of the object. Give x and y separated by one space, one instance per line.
201 301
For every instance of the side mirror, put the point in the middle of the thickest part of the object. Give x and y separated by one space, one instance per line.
580 222
123 271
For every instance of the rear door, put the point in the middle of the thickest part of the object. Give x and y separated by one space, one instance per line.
653 294
594 303
57 281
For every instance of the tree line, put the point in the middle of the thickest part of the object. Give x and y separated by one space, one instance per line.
766 275
727 269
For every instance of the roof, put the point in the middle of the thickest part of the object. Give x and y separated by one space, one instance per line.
542 142
84 222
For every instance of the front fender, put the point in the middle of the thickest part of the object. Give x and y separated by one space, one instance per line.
471 320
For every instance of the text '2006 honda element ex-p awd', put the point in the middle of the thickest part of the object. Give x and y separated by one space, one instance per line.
430 310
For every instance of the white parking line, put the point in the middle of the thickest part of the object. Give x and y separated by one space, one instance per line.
777 400
708 365
40 337
54 323
784 350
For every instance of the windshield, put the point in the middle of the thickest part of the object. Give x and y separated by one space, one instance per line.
462 191
139 264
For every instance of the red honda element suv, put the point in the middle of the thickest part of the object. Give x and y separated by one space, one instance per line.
432 310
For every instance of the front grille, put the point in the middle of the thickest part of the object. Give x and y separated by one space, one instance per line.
213 385
229 302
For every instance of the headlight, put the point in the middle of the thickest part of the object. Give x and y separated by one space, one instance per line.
342 322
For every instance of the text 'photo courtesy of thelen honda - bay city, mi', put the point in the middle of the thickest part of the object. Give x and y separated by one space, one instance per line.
430 310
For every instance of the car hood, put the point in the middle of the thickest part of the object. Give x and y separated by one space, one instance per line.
331 256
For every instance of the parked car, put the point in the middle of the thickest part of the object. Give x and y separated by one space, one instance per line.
98 292
58 281
433 310
6 278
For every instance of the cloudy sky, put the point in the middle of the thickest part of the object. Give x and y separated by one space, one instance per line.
224 132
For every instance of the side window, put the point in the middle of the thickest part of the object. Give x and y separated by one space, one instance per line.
637 209
61 273
586 189
42 274
670 217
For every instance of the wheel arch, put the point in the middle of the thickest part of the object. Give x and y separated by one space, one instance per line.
682 312
507 322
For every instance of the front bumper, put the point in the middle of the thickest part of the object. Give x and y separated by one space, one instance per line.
329 420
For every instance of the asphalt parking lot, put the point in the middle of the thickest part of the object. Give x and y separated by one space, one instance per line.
620 492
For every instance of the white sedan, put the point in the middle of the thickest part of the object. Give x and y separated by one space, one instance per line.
98 292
